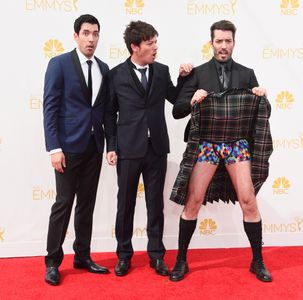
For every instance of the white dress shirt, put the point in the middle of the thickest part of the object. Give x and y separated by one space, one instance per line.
96 73
141 67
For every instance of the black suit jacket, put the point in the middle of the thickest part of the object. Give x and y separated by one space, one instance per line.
131 111
206 77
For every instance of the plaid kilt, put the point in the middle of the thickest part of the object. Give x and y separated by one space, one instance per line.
227 117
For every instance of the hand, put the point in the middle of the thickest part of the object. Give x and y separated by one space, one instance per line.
111 158
198 96
185 69
58 161
259 91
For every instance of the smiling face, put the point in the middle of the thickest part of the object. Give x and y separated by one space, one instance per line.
87 39
223 45
146 52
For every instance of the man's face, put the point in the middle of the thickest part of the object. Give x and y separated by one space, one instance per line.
146 52
87 39
223 45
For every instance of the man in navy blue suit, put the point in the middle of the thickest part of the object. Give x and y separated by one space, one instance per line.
73 108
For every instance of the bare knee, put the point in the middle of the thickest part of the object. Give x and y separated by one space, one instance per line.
192 207
249 207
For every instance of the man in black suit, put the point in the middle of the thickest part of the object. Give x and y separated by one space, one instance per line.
137 140
219 74
73 109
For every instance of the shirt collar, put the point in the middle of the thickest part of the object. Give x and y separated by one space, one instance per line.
138 66
83 58
228 64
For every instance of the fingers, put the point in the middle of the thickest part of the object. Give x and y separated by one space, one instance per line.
58 161
198 96
185 69
59 168
63 162
111 158
259 91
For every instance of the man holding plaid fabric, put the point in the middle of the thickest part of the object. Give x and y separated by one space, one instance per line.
229 144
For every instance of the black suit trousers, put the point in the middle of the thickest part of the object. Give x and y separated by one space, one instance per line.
153 170
80 179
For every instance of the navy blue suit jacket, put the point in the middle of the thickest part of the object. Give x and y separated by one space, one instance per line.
68 115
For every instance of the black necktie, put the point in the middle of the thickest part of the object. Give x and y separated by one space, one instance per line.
224 78
143 77
89 79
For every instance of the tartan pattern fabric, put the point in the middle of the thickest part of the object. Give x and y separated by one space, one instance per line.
227 117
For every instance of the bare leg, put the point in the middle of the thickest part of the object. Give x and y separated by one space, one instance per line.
198 183
241 178
240 175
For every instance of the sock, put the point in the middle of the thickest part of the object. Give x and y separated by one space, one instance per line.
254 233
186 230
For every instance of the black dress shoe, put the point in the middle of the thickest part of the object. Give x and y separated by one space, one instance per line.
159 266
179 270
52 276
90 266
122 267
258 268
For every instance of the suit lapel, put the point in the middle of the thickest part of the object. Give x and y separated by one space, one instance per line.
234 75
134 78
80 74
213 76
103 71
151 78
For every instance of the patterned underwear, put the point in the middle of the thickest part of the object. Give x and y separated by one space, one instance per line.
229 152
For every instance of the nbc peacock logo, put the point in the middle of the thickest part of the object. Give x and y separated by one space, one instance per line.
2 230
140 190
206 51
207 227
281 186
284 100
134 7
52 48
289 7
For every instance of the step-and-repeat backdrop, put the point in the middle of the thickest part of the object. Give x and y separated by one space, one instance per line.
268 39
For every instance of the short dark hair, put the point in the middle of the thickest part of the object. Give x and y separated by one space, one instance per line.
85 19
136 32
224 25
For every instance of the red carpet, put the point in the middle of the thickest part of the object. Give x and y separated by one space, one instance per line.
214 274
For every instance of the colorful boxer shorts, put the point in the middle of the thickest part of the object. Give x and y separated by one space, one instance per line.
230 152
